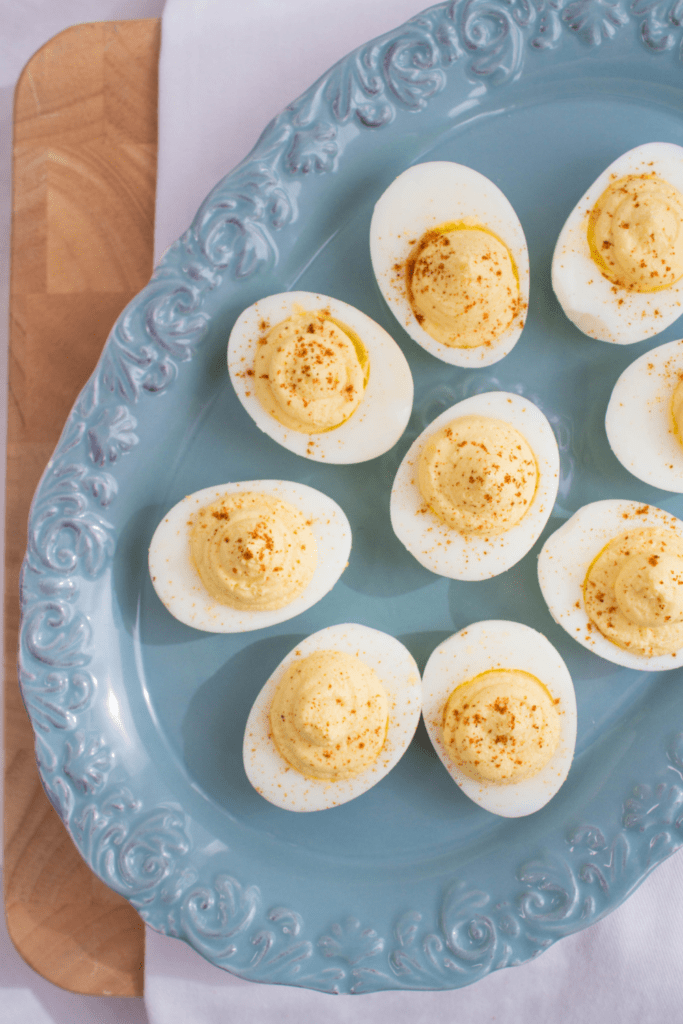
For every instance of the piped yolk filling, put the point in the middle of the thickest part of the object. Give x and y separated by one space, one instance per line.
633 591
330 715
479 475
311 371
635 233
502 726
463 285
253 551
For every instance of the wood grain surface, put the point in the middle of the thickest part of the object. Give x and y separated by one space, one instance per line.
85 130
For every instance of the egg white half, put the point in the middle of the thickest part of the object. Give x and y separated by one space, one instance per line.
177 582
564 561
497 644
465 556
638 422
421 198
382 416
597 307
283 785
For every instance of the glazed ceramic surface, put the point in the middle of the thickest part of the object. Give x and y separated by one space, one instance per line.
139 719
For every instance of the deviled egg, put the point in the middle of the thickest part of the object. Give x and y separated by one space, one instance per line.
476 488
333 719
320 377
451 260
644 420
617 269
499 705
241 556
612 576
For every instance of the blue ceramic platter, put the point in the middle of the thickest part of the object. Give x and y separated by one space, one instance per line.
139 719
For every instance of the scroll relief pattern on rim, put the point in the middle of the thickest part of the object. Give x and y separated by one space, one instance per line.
146 856
146 853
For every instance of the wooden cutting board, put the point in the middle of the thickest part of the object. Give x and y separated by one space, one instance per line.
85 132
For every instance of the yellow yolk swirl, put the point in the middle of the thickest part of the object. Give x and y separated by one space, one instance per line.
310 372
253 551
329 716
502 726
677 411
478 475
633 591
635 233
462 285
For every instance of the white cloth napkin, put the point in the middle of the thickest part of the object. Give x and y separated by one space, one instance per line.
227 67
